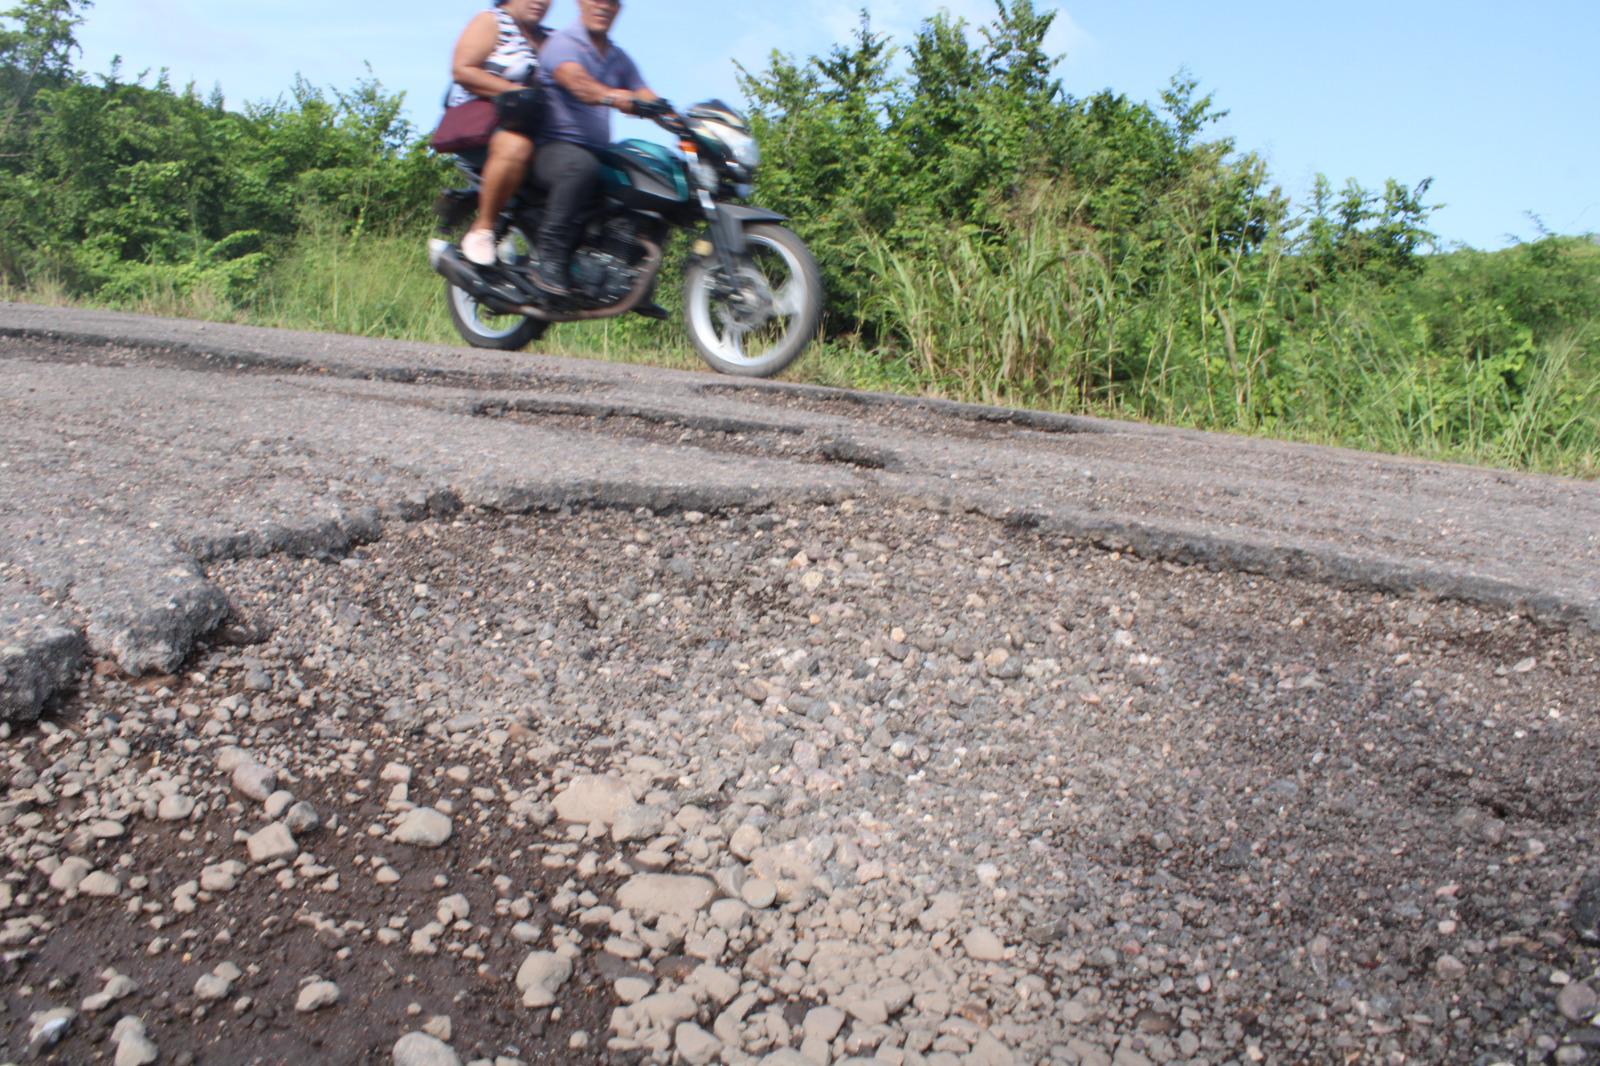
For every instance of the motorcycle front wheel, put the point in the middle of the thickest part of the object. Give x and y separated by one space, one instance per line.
484 328
758 322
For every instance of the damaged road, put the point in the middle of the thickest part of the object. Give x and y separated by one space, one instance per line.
505 706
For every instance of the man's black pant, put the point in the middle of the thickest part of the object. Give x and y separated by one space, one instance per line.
567 173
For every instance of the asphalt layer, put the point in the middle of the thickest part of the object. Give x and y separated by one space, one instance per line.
136 450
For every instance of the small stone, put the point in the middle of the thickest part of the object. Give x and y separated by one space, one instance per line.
1578 1002
221 877
174 808
657 894
744 842
99 884
1450 968
277 803
823 1023
631 989
117 986
696 1046
593 798
270 843
302 818
70 873
719 984
423 827
216 984
759 894
255 781
134 1048
729 914
48 1026
420 1049
864 1008
541 976
983 946
316 995
667 1009
637 821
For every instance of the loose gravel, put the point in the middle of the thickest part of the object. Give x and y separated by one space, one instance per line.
807 785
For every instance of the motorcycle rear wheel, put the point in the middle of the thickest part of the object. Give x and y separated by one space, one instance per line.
756 338
483 328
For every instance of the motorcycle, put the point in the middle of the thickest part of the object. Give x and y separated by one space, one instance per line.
752 291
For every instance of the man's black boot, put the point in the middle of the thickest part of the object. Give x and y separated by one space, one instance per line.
550 275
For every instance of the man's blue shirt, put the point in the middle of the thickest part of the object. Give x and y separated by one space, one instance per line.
565 117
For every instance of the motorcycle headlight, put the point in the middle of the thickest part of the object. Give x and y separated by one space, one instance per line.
742 147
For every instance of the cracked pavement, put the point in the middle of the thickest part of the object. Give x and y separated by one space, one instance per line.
136 451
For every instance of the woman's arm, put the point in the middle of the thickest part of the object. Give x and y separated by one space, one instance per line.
475 46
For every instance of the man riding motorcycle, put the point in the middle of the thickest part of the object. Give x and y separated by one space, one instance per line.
585 75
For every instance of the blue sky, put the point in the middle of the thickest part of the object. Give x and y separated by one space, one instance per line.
1497 103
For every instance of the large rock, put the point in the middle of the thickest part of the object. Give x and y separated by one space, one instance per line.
541 976
423 827
134 1048
983 946
637 821
420 1049
593 798
316 995
71 871
40 655
656 894
147 610
273 842
696 1046
255 781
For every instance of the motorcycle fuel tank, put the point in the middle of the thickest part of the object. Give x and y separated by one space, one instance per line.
637 172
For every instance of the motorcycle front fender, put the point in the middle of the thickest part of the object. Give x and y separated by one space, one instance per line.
727 226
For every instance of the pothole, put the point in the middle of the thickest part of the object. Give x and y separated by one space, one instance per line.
968 422
72 352
719 436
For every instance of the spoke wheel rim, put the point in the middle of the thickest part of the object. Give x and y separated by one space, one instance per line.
720 328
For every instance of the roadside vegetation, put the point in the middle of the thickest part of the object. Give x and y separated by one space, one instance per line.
985 236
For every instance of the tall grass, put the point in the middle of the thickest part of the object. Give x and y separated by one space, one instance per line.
1195 330
1050 313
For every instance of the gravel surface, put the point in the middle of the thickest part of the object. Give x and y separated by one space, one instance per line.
469 709
852 781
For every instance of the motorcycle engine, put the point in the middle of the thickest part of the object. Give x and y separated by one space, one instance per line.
605 266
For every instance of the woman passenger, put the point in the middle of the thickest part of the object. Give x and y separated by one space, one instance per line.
498 53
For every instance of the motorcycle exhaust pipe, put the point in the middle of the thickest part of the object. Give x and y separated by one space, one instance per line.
445 259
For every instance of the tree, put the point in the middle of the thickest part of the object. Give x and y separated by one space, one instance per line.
36 49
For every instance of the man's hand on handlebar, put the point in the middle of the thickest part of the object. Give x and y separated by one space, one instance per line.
656 108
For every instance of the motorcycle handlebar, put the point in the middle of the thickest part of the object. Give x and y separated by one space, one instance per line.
662 113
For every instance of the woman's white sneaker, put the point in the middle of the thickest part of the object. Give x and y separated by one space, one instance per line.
479 247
